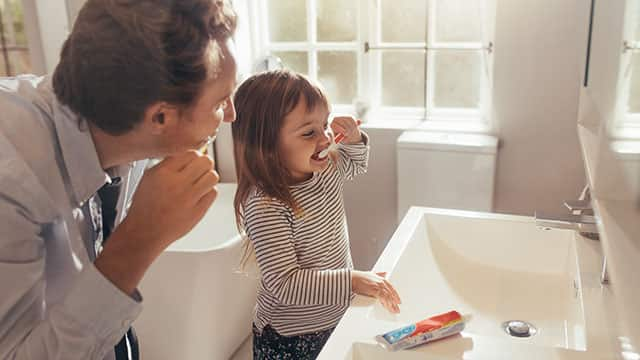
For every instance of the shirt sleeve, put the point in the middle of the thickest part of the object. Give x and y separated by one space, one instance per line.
353 159
268 226
90 319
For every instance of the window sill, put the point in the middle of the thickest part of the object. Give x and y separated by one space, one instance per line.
626 132
451 126
626 149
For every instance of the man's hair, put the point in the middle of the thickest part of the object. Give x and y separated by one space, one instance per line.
124 55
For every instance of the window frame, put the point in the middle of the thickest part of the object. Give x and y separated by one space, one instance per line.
9 47
627 124
263 46
369 64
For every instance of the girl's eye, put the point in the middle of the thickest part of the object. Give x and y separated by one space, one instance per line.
308 133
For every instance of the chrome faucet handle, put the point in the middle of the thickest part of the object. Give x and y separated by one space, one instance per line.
604 274
578 205
582 223
583 207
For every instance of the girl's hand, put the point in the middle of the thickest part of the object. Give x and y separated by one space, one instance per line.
348 126
375 285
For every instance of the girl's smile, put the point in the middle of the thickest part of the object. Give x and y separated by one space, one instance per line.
317 156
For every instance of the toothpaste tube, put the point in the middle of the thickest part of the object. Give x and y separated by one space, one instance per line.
427 330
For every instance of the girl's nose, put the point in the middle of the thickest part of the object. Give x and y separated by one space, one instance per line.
326 138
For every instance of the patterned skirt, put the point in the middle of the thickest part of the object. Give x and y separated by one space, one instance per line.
269 345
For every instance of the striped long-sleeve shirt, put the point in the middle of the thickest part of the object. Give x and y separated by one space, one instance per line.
304 259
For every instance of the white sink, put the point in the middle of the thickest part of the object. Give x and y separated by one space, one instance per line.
493 267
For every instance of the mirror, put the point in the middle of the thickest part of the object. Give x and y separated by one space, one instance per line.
609 129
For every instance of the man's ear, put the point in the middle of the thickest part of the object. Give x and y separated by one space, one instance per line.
160 117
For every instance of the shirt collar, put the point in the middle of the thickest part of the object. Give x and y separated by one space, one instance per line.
79 154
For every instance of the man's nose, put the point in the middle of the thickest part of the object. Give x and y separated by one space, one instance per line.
229 112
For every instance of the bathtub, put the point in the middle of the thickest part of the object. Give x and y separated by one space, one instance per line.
195 305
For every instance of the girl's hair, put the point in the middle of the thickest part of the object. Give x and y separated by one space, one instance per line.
262 102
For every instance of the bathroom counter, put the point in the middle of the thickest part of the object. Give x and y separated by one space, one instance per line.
592 331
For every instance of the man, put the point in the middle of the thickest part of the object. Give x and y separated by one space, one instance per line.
137 79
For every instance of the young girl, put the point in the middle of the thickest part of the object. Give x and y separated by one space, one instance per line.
289 204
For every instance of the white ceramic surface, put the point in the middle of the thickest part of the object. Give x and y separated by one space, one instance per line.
493 267
454 171
195 304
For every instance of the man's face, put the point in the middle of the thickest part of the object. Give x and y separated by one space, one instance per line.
200 122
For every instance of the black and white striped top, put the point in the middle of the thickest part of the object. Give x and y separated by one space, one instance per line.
305 260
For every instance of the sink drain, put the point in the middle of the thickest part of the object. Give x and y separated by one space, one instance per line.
519 328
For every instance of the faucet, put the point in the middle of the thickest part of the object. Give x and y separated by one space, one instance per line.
586 225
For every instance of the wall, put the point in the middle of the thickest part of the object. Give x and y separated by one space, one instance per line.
539 54
540 47
46 25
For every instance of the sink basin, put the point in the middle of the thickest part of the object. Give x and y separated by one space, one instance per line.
362 351
495 268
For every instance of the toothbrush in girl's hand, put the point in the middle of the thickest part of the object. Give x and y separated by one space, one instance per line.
338 139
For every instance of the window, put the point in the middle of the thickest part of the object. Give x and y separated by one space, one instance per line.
14 56
32 34
13 41
414 59
628 125
319 38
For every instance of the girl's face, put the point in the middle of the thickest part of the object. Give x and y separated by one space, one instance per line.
303 135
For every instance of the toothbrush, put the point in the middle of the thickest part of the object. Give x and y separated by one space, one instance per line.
203 149
337 140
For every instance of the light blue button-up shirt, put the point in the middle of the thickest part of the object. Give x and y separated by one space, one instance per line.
54 304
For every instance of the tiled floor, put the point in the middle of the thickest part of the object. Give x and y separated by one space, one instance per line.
244 352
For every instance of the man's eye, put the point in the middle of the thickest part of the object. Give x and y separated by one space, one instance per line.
222 105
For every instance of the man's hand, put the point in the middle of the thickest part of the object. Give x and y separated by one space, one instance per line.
172 197
170 200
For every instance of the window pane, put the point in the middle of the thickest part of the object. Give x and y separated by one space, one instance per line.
287 20
634 89
403 78
15 40
20 63
404 20
337 20
337 72
294 60
457 79
458 20
3 66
